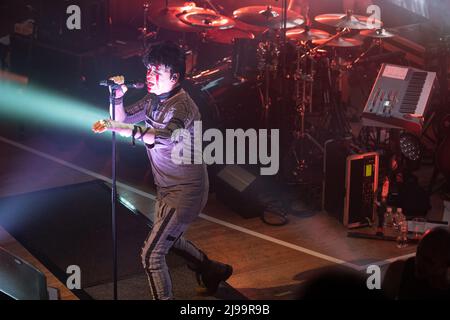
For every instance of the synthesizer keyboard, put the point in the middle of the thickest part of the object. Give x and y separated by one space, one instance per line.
399 98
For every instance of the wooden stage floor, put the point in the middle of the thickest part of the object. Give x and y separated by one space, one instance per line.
269 262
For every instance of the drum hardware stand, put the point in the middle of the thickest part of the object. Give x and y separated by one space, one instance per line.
267 55
377 43
274 51
303 98
314 50
265 99
333 116
145 35
327 95
334 120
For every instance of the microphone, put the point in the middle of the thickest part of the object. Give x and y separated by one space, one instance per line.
128 84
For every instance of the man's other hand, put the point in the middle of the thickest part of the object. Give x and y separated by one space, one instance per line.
100 126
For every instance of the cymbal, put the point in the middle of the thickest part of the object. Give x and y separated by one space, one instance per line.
256 30
348 20
227 36
377 33
340 42
301 34
267 16
206 19
168 18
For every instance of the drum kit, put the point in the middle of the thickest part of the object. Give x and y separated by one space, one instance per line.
273 47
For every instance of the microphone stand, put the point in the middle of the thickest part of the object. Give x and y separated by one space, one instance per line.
113 193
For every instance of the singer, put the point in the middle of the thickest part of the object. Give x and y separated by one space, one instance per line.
182 190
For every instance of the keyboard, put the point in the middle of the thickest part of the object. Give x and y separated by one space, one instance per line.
399 98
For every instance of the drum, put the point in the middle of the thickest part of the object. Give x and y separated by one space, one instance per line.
224 100
228 36
191 61
244 59
253 57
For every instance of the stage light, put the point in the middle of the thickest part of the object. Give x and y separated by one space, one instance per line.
47 109
410 146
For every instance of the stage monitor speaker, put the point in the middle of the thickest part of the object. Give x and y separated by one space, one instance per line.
238 189
350 183
19 280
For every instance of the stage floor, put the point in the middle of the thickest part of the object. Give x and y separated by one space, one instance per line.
269 262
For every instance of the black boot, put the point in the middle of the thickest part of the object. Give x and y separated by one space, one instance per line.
210 274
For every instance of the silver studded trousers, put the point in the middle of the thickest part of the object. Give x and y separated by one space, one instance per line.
175 210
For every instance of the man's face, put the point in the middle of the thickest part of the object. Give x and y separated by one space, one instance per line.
159 80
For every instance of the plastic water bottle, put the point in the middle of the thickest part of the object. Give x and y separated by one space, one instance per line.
402 238
397 217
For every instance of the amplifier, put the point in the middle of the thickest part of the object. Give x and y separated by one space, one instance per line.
350 183
238 189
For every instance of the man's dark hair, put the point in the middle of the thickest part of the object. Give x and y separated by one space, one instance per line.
168 54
